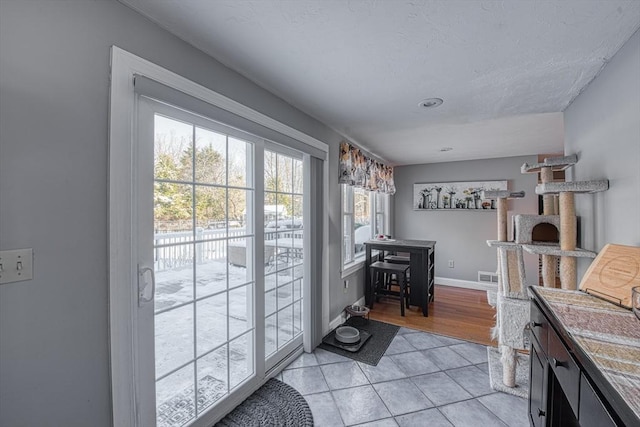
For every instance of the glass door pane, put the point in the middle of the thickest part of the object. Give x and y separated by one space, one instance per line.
203 263
284 255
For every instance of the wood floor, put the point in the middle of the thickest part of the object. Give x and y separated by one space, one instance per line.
456 312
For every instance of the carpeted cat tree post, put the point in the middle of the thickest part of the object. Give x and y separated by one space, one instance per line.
512 312
549 262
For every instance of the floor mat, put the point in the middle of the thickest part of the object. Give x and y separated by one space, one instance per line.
273 404
371 352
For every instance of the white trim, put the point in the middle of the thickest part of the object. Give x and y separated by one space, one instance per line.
359 302
280 366
307 282
340 319
337 321
325 250
161 75
121 242
353 267
466 284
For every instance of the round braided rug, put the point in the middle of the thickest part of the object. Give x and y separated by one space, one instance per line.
273 404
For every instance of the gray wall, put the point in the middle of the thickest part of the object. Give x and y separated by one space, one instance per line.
602 126
460 235
54 86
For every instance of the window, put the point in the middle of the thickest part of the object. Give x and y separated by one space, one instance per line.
364 215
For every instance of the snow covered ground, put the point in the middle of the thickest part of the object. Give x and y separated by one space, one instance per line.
204 313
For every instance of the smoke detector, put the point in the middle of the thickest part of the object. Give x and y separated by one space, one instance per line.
431 102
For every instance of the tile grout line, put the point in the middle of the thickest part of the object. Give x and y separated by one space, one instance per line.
333 398
496 415
411 378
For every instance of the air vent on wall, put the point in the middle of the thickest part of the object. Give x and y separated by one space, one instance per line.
487 277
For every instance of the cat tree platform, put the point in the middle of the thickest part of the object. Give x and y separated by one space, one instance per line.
501 244
555 163
556 251
572 187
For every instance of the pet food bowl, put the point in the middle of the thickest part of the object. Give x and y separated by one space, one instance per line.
347 335
358 310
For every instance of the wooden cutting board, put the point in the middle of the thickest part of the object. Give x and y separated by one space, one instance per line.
613 273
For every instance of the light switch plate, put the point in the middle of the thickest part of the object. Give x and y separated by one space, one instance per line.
16 265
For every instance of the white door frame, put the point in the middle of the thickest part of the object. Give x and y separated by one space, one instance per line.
123 272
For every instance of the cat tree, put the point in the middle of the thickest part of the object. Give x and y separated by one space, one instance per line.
552 235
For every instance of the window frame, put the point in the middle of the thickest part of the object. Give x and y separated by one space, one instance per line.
378 220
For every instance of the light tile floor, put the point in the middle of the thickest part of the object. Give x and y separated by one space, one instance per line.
423 379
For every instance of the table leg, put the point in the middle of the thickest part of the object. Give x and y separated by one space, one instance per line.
418 287
368 294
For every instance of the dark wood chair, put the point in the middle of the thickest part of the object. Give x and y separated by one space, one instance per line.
381 286
395 258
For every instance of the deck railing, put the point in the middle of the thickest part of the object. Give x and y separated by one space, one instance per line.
176 249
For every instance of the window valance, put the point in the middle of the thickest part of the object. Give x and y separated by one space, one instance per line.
358 170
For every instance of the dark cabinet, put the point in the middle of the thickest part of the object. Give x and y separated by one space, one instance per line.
592 410
562 392
564 369
537 393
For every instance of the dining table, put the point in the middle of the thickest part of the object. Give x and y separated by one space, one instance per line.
421 267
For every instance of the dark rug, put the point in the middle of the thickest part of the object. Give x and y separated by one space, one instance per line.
371 352
273 404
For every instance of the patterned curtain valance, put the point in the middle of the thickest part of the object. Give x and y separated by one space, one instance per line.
358 170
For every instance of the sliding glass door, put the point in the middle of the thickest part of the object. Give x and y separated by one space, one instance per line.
198 267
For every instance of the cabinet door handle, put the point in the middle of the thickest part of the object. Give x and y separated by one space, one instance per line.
556 363
541 413
535 324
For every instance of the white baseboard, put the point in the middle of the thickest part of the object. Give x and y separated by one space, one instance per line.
466 284
339 320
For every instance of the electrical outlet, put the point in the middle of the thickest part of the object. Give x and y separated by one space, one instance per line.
450 263
346 286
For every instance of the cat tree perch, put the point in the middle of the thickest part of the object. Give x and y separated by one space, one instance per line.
568 227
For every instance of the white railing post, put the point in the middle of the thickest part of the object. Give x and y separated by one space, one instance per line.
199 255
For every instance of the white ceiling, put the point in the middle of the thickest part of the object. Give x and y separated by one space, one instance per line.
505 69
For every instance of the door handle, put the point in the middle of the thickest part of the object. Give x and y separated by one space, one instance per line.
141 273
